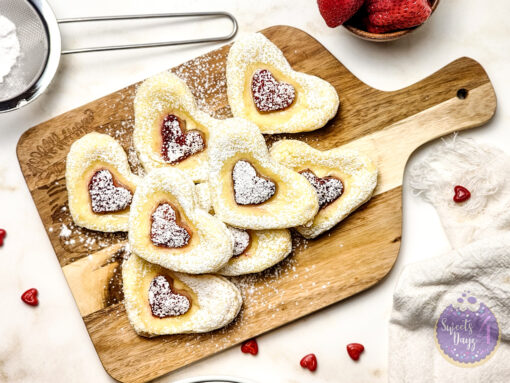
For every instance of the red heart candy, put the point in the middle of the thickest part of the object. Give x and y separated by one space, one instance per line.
250 347
309 361
3 233
30 297
354 350
461 194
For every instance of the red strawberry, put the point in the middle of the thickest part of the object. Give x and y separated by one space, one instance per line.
309 361
369 27
250 347
399 14
337 12
354 350
3 233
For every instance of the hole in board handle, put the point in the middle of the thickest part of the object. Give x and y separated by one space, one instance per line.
462 94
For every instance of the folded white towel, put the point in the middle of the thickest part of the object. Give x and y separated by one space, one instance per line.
451 314
434 337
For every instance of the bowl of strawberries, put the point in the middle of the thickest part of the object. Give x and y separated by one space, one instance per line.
377 20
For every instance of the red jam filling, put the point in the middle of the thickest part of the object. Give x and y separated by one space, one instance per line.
269 95
242 240
166 230
106 195
328 189
177 143
163 301
249 187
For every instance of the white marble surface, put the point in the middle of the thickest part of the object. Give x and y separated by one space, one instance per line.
50 343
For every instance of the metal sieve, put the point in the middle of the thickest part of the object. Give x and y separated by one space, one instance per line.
40 44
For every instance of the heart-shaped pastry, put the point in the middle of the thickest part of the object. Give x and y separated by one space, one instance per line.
253 250
106 195
270 95
263 88
162 302
249 190
178 144
328 188
167 226
99 183
249 187
170 130
343 179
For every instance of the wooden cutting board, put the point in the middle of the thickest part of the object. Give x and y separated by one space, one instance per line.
356 254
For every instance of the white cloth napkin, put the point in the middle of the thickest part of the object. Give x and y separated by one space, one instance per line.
484 171
451 314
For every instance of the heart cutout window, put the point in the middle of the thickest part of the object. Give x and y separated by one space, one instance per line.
106 194
178 143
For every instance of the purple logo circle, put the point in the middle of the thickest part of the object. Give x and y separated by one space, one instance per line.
467 331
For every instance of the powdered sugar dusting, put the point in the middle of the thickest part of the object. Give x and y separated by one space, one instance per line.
9 46
165 231
328 188
178 145
270 95
207 76
164 302
241 240
250 188
105 197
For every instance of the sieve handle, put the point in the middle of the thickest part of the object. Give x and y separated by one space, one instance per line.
152 16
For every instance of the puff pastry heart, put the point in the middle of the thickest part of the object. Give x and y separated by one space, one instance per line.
99 183
162 302
263 88
262 194
344 180
170 130
168 227
253 250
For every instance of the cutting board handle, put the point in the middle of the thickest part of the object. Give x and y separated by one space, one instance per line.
467 100
468 97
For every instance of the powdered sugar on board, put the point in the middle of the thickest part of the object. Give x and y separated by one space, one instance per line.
206 76
9 47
